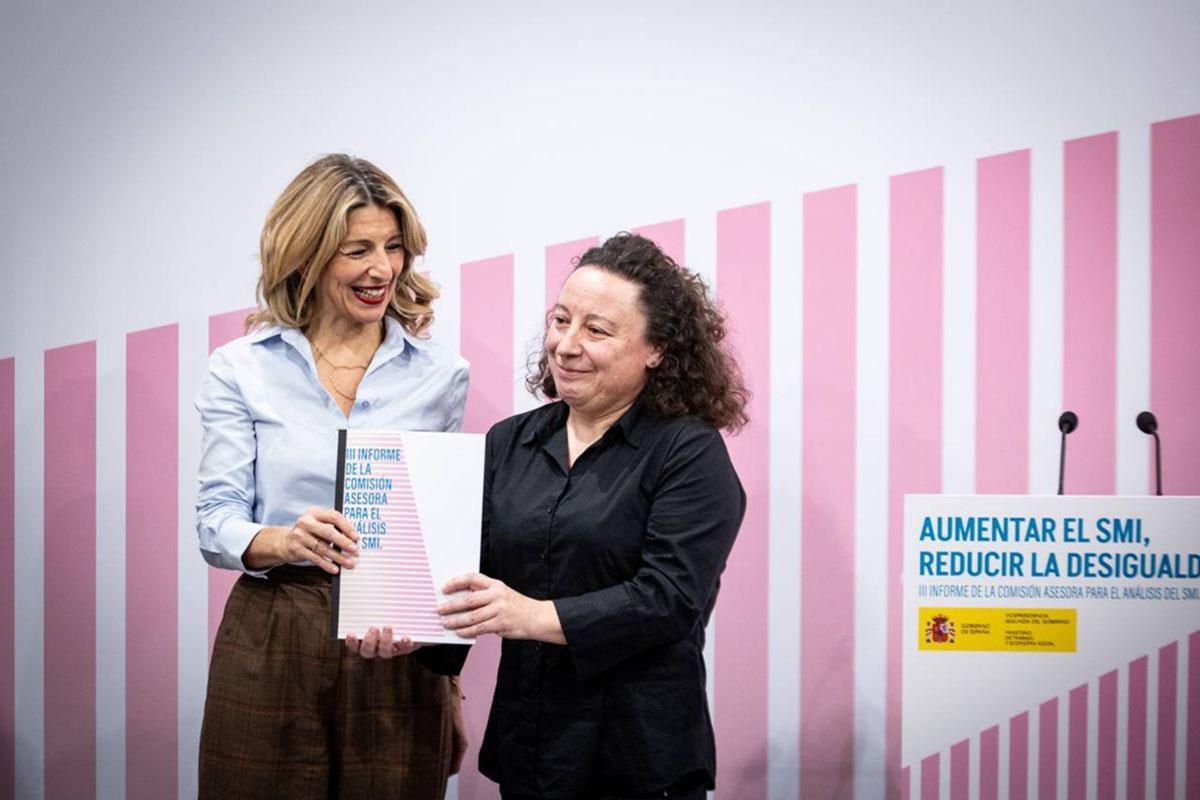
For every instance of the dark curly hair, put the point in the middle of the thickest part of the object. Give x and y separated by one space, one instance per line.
697 375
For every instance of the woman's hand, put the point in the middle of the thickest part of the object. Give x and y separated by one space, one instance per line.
321 536
489 606
380 644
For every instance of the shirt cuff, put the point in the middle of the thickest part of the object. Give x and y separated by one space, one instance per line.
235 538
598 627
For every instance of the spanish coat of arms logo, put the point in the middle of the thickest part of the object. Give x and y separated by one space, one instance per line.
939 630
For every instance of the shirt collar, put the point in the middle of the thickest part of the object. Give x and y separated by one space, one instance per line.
554 418
395 340
629 425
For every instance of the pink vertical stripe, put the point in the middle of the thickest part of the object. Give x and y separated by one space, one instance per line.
1077 727
1135 757
960 770
8 523
930 767
70 571
1002 320
560 260
1048 750
905 783
740 664
222 328
827 495
1090 311
1106 746
1174 298
667 235
1018 757
1193 718
1168 677
151 603
487 336
914 404
487 340
989 764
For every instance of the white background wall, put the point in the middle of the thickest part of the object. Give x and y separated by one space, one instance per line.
145 141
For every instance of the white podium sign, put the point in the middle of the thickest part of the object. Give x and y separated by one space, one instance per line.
1039 630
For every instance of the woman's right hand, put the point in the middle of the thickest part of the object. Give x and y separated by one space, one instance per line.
321 536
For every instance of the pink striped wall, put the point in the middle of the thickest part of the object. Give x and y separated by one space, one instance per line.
667 235
222 328
740 664
914 389
560 260
8 522
1090 311
69 562
827 495
487 342
1002 324
916 230
1135 753
151 538
1175 297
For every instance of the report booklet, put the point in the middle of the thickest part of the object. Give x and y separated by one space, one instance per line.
416 499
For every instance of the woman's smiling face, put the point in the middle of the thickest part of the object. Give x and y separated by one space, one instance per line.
596 342
359 281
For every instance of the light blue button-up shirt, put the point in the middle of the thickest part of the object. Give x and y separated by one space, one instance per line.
269 448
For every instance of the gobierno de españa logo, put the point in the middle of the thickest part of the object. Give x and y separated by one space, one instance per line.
939 630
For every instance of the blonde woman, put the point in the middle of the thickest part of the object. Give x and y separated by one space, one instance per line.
338 342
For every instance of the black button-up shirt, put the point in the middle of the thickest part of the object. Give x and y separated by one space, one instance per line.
629 543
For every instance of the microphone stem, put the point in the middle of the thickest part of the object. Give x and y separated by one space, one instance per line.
1062 461
1157 465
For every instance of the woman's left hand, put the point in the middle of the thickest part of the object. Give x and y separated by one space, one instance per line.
489 606
380 644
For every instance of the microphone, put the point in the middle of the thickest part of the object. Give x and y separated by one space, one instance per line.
1148 424
1067 422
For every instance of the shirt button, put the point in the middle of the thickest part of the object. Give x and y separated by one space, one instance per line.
543 555
364 403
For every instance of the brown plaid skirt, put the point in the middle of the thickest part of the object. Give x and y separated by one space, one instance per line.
291 714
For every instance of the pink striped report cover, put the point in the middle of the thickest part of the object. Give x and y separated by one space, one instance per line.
416 499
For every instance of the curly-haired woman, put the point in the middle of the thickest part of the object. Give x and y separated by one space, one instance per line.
608 518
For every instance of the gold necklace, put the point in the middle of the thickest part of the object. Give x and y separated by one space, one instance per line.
332 383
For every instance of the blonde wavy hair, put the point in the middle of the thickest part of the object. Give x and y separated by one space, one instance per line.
305 227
